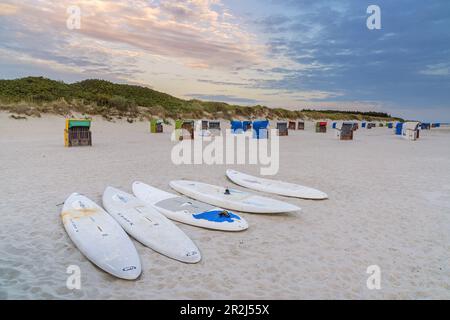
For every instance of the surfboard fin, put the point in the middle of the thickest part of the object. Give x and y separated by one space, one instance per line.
224 213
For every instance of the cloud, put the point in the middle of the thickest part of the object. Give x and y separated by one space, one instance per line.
188 30
223 98
197 65
384 65
7 9
440 69
223 83
282 53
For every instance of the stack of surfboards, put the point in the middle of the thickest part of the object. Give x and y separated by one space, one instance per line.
102 235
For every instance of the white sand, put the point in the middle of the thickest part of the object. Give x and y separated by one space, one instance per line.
389 205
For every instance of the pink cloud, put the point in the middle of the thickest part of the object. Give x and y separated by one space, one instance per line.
7 9
189 30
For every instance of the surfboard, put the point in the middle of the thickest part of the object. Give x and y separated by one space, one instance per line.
231 198
274 186
149 227
189 211
100 238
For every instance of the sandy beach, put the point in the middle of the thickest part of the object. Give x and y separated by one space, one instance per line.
389 205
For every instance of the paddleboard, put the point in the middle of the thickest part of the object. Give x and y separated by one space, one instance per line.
274 186
149 227
100 238
189 211
231 198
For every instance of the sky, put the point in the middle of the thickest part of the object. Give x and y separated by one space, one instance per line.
291 54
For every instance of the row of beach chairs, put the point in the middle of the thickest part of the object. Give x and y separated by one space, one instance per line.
77 131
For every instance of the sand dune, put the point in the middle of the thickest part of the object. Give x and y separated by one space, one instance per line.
389 205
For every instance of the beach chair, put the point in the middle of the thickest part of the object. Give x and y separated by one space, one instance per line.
156 126
214 125
291 125
411 130
321 127
300 125
282 128
236 126
246 125
260 129
399 128
346 131
184 129
77 133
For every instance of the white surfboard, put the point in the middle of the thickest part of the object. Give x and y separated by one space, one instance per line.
100 238
189 211
149 227
274 186
231 198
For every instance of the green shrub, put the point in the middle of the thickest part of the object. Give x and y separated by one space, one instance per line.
110 100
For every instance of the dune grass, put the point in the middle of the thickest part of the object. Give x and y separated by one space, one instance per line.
32 96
